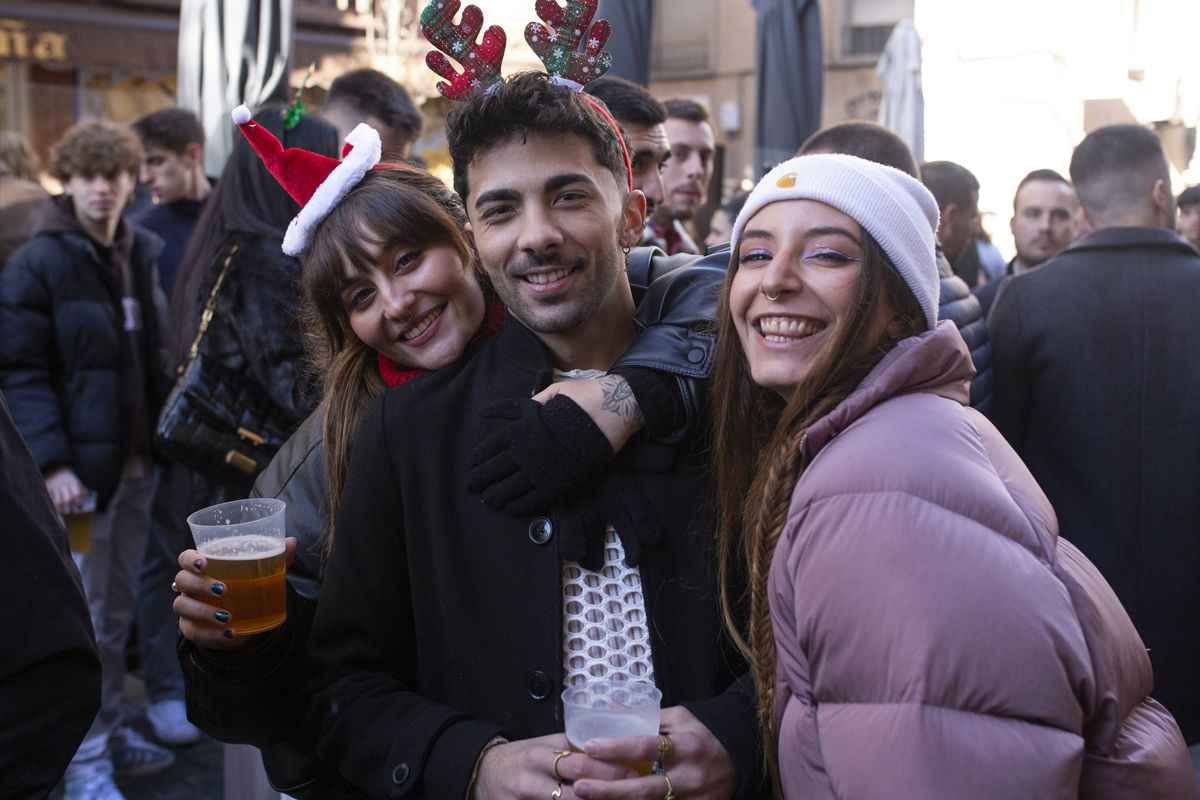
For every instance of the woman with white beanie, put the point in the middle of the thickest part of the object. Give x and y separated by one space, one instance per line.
917 628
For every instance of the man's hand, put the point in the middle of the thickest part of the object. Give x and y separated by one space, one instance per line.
65 488
524 770
699 767
608 400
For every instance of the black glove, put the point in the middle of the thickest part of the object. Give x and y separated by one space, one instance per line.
539 456
582 520
581 523
629 511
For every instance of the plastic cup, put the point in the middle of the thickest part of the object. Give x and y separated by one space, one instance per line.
242 543
79 523
611 709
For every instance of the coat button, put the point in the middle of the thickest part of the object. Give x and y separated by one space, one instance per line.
540 530
695 355
400 773
539 685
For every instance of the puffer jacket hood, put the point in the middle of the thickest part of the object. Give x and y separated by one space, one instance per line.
935 638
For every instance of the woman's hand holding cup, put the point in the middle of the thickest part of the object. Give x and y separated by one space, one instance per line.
198 605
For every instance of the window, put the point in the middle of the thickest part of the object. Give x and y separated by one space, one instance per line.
683 38
867 24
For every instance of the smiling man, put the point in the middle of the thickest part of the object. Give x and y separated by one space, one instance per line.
450 685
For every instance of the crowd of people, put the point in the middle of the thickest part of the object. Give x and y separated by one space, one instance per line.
880 513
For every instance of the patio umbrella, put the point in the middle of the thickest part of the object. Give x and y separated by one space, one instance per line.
788 62
232 52
630 43
902 110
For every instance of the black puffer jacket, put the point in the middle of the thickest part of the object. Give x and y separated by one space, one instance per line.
61 368
958 305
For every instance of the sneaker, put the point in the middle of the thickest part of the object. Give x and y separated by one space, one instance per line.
133 756
91 784
169 723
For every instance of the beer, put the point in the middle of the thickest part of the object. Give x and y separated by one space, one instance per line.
585 725
78 519
79 531
252 567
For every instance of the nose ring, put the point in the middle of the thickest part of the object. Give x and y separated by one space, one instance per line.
772 297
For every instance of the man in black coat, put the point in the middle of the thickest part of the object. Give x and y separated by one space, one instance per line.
1096 356
49 672
446 629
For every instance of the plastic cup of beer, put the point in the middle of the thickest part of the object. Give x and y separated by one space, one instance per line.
242 543
611 709
78 520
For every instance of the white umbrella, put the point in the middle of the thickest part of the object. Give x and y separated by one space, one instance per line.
902 109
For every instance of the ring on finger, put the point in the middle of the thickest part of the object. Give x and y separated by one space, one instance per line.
557 793
174 587
665 747
559 755
670 795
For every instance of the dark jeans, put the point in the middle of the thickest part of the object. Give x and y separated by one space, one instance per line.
157 624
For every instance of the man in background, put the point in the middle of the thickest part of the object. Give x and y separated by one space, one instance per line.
173 174
1095 356
367 95
21 196
1189 215
80 370
643 119
957 193
1043 223
685 176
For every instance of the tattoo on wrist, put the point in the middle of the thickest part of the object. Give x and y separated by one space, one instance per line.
619 400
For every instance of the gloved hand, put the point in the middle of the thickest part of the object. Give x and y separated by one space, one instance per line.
630 512
543 453
619 501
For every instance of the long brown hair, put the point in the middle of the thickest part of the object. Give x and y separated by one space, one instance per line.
757 444
390 205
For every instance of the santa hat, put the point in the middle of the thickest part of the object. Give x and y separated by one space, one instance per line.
316 182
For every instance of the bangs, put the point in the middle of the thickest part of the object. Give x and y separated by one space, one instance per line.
391 206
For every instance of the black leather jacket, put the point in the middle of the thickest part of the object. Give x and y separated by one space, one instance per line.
249 696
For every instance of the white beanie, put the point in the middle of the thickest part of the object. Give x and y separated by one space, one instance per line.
895 208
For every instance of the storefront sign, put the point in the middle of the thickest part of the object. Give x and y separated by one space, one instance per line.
19 43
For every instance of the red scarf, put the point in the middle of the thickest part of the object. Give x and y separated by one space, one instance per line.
394 374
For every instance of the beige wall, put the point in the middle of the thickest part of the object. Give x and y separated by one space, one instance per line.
729 92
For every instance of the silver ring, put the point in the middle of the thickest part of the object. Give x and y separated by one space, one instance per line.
771 297
174 587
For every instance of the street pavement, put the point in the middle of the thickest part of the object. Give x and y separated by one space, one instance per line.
197 773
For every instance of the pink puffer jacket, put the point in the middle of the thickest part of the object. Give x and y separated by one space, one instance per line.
935 638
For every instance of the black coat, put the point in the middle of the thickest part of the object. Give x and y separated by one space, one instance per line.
1097 358
440 621
60 352
49 671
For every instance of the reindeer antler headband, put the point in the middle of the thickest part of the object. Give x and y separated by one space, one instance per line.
556 43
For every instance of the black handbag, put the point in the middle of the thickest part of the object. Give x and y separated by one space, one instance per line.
216 420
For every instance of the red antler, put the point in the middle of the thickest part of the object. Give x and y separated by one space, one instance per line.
481 62
557 45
